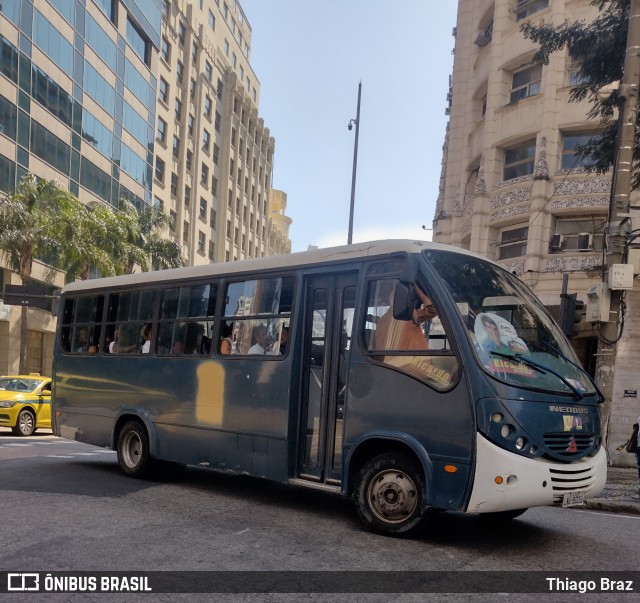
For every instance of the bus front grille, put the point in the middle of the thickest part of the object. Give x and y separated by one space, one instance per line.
568 445
570 479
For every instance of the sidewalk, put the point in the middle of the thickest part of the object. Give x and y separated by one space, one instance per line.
620 494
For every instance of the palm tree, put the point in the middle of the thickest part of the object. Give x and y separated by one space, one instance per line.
34 223
139 241
89 244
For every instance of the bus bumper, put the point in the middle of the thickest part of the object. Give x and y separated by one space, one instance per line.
504 481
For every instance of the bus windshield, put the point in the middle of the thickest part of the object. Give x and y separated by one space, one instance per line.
513 336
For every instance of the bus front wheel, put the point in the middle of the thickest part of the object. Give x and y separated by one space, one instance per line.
133 449
390 496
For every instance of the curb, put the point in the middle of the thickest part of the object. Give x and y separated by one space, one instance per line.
614 506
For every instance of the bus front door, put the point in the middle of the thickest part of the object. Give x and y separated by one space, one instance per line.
328 329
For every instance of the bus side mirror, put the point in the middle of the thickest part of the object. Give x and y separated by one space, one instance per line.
405 301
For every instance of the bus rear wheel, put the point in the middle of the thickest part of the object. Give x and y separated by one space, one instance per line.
134 457
390 496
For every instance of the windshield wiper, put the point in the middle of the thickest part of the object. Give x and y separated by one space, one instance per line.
556 352
541 368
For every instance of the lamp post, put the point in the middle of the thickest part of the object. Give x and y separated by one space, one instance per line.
355 164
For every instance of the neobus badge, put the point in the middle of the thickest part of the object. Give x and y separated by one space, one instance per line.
573 409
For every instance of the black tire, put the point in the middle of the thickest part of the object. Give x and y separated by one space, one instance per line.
503 515
390 496
25 425
134 456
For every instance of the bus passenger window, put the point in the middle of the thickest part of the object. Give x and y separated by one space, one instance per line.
388 340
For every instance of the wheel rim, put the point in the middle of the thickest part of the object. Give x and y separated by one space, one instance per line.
393 496
25 423
132 449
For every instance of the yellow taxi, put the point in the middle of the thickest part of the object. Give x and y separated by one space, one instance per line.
25 403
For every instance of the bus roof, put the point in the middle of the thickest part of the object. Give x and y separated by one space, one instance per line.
343 253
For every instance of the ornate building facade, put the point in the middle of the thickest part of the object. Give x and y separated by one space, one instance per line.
512 187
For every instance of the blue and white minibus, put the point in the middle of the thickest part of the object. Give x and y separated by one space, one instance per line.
409 376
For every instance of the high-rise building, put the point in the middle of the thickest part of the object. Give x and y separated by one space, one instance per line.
148 100
512 187
214 154
77 104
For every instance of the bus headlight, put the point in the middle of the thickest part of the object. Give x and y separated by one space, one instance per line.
520 442
507 430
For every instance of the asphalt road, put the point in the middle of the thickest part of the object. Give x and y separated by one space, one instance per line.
66 506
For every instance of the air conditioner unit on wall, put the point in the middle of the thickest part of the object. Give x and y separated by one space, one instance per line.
585 242
557 240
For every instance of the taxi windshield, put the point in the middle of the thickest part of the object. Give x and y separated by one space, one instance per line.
13 384
513 336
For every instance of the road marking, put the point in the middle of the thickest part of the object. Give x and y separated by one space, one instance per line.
16 444
59 456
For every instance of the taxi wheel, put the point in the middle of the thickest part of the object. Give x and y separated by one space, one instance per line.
26 424
134 456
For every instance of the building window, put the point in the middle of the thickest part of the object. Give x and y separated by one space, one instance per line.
178 109
525 8
164 91
174 185
226 47
570 144
203 209
162 130
201 242
159 174
173 218
204 175
573 73
165 50
182 31
219 88
176 146
207 107
187 196
513 243
166 8
206 141
525 83
580 234
212 219
194 53
212 21
208 70
138 41
218 122
216 153
190 122
179 72
212 250
192 89
519 160
189 160
214 186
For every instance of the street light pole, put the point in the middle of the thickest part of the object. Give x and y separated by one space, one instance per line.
355 165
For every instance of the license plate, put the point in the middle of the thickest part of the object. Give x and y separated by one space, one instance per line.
572 499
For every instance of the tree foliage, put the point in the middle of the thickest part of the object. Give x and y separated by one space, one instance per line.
598 48
40 220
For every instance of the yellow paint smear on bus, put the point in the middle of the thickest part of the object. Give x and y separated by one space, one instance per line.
210 397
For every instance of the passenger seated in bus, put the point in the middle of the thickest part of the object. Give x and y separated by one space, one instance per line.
146 346
92 349
226 345
178 348
259 335
284 340
392 334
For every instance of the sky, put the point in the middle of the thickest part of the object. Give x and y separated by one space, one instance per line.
309 57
